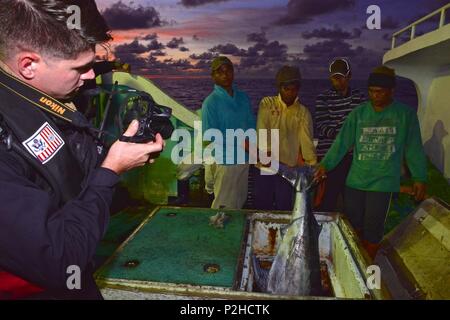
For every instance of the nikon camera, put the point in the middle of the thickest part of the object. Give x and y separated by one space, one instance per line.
153 118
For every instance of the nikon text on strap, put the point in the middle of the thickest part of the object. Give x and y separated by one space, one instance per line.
40 99
21 106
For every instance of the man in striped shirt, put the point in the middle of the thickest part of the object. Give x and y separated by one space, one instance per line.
332 108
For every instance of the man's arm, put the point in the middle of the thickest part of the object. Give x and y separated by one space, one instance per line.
306 139
262 123
124 156
415 157
344 141
209 121
39 241
209 118
322 117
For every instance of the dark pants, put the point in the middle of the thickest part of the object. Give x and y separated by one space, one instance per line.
335 184
273 193
367 212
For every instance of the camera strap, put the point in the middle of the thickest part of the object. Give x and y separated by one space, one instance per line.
27 125
41 100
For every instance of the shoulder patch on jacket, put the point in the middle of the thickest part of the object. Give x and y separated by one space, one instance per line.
44 143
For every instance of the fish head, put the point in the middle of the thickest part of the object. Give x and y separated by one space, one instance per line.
304 180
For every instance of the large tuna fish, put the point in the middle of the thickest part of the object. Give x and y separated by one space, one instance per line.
296 268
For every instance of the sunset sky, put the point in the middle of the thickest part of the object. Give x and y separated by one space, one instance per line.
180 37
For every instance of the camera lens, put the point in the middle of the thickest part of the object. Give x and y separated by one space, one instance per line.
164 127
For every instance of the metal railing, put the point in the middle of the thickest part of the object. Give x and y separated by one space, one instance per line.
413 26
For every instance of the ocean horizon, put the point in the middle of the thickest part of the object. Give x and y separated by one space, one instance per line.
191 91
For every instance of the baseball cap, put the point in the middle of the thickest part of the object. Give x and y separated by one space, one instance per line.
219 61
383 77
339 66
288 75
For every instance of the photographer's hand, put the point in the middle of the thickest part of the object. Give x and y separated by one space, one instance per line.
124 156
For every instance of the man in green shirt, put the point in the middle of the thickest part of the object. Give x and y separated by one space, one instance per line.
382 133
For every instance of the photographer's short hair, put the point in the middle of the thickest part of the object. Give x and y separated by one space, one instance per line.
41 25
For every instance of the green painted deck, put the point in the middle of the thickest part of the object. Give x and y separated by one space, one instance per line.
175 248
120 227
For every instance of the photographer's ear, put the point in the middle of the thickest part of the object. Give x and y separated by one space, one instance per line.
28 64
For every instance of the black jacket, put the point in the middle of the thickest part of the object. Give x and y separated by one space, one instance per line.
39 238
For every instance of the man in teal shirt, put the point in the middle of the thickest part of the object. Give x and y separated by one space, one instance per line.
382 133
227 108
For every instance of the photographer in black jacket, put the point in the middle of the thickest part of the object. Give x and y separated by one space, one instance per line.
55 184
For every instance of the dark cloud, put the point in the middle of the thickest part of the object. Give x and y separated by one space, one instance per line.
196 3
259 59
137 63
260 40
151 36
152 65
203 65
274 50
131 48
252 62
183 64
155 45
328 48
183 49
229 48
259 65
129 53
132 53
356 33
158 53
180 64
389 23
302 11
257 37
255 50
203 56
124 17
317 57
268 50
262 55
335 33
175 43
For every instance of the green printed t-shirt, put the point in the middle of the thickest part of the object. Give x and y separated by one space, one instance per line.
381 140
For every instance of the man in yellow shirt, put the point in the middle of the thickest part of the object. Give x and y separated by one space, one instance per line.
285 113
